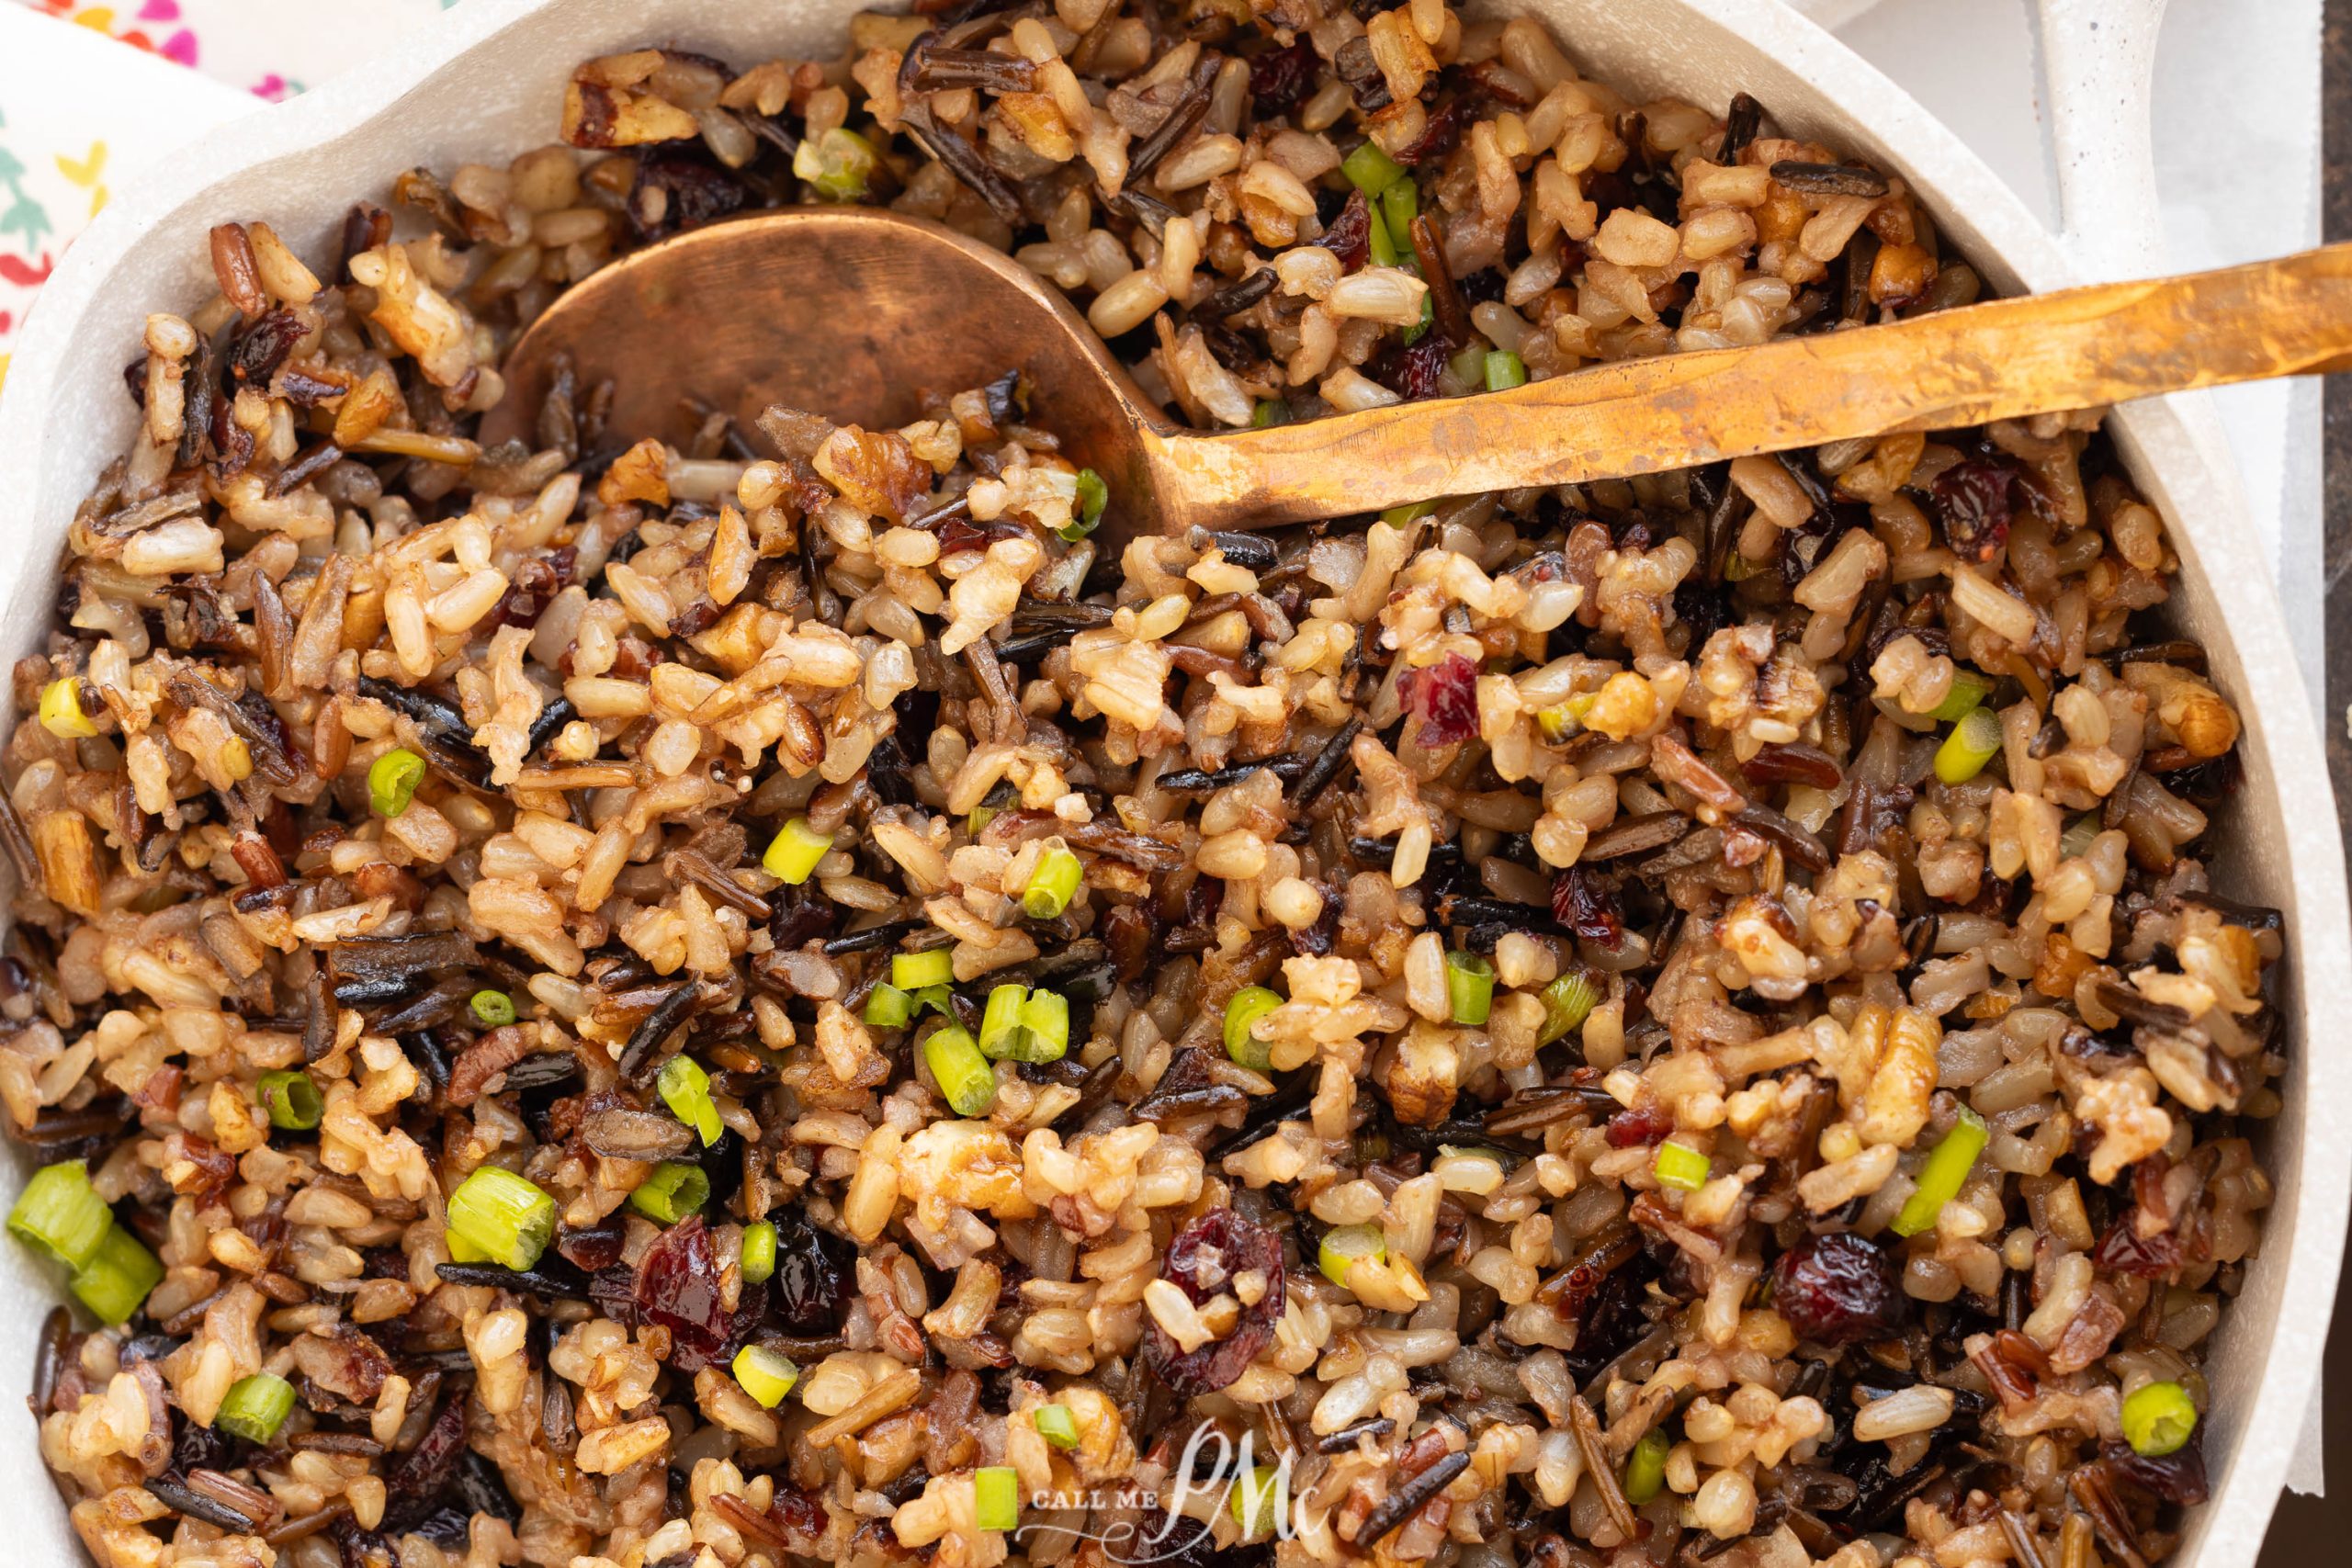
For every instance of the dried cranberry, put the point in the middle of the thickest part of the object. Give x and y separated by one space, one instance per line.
678 1287
2177 1477
261 348
1439 132
1202 1261
1280 78
1348 236
2123 1250
1640 1125
674 193
1838 1288
1444 696
1973 503
812 1269
417 1477
1581 904
592 1246
1412 373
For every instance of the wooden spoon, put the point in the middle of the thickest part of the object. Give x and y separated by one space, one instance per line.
854 312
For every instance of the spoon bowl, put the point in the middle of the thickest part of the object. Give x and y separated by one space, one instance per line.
859 313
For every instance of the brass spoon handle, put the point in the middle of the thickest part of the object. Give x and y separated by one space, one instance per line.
2076 349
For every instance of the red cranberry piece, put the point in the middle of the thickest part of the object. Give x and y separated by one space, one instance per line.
1972 505
1445 698
1350 235
2123 1250
1837 1289
1641 1125
1280 78
1202 1261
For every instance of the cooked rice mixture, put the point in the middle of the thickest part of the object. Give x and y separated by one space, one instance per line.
769 1001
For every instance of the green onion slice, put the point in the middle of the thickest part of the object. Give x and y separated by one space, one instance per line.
758 1252
1380 242
886 1007
1052 885
964 1076
392 779
913 971
1001 1021
766 1375
496 1009
1259 1500
996 1497
795 851
840 163
1645 1467
1343 1245
685 1088
1567 1002
1370 170
674 1190
1469 986
1268 413
1094 495
1044 1035
1055 1425
255 1408
503 1218
61 1213
1400 205
115 1282
1940 1177
1504 370
1242 1012
1681 1166
1968 693
293 1100
1974 741
2158 1419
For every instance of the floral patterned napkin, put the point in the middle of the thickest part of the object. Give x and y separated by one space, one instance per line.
79 116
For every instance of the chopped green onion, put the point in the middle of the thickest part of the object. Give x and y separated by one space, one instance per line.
1400 205
1055 1425
1420 329
1043 1034
501 1216
674 1190
1645 1467
1505 370
1403 516
1052 885
1094 495
1567 1002
2158 1419
996 1497
1270 412
886 1007
766 1375
2076 841
1940 1177
293 1100
1382 242
685 1088
795 851
115 1280
1370 170
255 1408
1258 1499
1681 1166
839 164
1973 742
1469 986
61 1213
1000 1022
1343 1245
392 779
913 971
1737 568
1242 1012
938 998
758 1252
496 1009
1968 693
964 1076
60 710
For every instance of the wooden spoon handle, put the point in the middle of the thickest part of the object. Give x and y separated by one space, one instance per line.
2075 349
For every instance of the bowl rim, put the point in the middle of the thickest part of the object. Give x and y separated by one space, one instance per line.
2202 509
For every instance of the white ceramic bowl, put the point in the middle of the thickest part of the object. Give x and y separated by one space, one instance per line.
486 83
